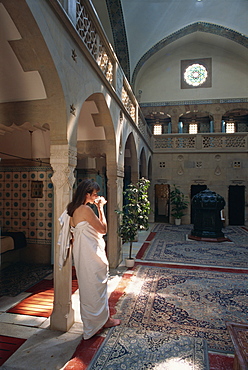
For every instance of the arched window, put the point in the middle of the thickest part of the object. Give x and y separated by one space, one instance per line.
195 123
235 121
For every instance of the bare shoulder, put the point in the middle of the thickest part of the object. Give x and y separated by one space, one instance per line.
82 213
86 209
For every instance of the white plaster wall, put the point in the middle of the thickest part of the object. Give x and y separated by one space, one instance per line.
217 172
86 127
25 145
20 85
159 79
149 21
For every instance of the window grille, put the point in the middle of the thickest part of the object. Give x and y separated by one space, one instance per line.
193 128
230 127
157 130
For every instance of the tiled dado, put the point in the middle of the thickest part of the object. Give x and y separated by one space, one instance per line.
19 210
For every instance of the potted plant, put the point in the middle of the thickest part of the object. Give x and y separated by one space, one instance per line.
179 204
134 214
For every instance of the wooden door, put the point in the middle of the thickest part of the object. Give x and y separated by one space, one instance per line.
236 205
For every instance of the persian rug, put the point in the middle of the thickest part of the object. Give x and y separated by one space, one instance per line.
185 302
18 277
172 231
125 348
171 245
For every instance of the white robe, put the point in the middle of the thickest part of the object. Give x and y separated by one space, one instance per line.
64 240
91 265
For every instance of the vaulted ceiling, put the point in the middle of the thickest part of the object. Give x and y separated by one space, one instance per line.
139 28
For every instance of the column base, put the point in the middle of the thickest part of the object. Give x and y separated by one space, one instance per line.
60 321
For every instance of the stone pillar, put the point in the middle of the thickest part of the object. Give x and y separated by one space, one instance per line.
63 162
134 170
114 198
217 122
174 124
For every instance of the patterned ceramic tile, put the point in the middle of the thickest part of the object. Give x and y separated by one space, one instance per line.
19 210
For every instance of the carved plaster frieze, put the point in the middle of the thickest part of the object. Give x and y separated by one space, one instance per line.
64 154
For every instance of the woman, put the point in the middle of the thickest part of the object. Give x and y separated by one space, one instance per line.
90 258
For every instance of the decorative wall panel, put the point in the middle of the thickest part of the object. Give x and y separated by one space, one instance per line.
19 211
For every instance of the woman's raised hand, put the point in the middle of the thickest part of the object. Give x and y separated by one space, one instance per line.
100 201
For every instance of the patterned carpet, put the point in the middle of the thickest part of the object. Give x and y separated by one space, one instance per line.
21 276
186 303
171 245
124 348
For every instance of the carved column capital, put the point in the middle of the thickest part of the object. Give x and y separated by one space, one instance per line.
63 162
63 174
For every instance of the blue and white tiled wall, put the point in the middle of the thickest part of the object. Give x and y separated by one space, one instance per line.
19 211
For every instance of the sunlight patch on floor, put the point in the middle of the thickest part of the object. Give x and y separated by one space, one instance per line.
174 364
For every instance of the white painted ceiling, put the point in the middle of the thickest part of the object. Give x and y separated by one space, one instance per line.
147 22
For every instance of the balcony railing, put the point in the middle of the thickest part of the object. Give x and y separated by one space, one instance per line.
94 42
206 142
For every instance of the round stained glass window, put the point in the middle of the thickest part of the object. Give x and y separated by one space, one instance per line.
195 74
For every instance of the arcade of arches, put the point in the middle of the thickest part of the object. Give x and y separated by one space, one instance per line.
68 111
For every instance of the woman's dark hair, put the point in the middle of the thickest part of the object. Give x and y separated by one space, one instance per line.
85 187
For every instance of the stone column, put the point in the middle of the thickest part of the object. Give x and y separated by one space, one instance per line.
134 170
63 162
114 198
174 123
217 121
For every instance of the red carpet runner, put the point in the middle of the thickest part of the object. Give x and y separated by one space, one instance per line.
40 302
